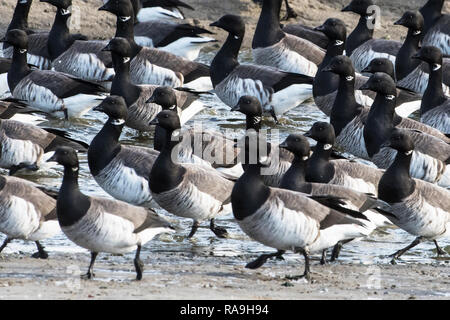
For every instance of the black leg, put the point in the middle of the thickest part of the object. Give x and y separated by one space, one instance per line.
263 259
307 273
194 229
138 264
90 273
439 250
218 231
290 13
41 253
323 260
399 253
5 243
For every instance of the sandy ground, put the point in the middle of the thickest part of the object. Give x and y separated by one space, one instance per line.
180 276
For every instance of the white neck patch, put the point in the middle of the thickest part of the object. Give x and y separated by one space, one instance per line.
408 152
126 59
436 66
390 97
75 169
23 1
118 122
338 43
349 78
22 50
256 120
304 158
236 37
415 33
173 107
175 134
370 17
65 12
124 19
327 147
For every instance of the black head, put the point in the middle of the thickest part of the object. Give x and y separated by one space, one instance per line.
165 97
232 24
412 20
380 65
334 29
16 38
120 8
429 54
322 132
381 83
60 4
249 105
114 107
65 156
359 7
341 65
400 141
167 119
119 46
298 145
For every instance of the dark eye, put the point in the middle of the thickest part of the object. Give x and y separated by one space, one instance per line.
297 140
166 116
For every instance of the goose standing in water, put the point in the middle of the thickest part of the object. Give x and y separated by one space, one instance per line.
411 73
435 107
437 26
430 159
288 220
100 224
154 66
278 91
140 111
273 47
187 190
26 213
420 208
52 92
360 45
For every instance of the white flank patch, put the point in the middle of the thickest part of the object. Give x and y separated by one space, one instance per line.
4 87
14 151
188 47
86 66
200 84
46 230
144 72
144 41
148 234
28 118
194 108
18 217
38 97
80 104
158 13
377 219
405 109
291 97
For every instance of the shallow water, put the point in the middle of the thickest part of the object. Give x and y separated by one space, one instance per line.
372 250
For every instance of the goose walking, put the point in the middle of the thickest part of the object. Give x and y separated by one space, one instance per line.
187 190
418 207
26 213
99 224
288 220
278 91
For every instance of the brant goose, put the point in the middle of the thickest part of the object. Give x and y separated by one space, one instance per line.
345 173
418 207
121 170
435 107
26 213
411 73
288 220
150 10
22 145
431 156
437 26
151 65
140 111
278 91
187 190
52 92
325 83
37 52
360 45
348 117
100 224
273 47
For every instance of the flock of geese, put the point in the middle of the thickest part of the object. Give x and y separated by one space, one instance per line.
292 196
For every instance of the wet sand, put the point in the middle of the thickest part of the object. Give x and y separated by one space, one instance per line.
180 276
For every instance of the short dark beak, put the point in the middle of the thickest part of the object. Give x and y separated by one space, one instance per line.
154 122
104 7
236 108
4 40
328 68
99 108
399 22
320 28
52 159
308 134
151 99
215 24
347 9
283 145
